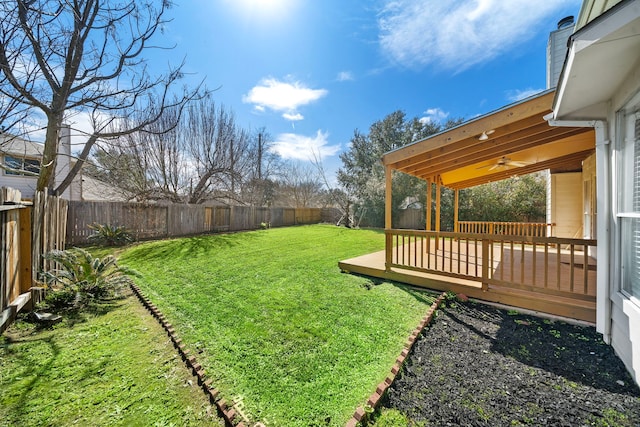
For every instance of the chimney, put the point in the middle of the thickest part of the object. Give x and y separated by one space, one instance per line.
557 50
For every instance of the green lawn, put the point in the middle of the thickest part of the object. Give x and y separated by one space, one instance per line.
273 320
113 366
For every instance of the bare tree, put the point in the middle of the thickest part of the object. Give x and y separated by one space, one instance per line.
205 156
217 148
300 185
259 182
60 57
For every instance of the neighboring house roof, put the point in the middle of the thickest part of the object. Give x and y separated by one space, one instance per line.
95 190
90 189
16 146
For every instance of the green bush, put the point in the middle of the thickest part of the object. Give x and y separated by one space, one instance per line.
108 235
80 278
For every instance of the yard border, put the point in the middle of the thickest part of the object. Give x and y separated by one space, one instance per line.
361 414
227 412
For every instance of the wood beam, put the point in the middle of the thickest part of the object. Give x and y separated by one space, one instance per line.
387 197
537 167
539 105
438 191
456 207
428 204
529 126
466 158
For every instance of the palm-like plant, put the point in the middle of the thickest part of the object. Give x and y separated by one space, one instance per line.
110 235
82 278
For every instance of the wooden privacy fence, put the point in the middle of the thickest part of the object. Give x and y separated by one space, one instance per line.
158 221
24 240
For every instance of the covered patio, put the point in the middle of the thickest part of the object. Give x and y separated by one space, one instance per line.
543 266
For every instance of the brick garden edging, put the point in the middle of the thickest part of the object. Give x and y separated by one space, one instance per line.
228 413
361 415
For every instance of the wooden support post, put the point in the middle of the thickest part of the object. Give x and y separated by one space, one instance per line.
387 216
428 205
387 198
456 206
438 207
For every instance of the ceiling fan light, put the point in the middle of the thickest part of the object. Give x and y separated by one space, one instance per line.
485 135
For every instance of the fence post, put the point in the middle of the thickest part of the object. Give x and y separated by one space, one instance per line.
25 249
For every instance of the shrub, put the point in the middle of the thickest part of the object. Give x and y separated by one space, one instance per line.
108 235
81 278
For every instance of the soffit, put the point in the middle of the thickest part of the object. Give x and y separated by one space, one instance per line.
522 142
601 56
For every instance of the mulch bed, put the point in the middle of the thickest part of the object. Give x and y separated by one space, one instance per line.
477 365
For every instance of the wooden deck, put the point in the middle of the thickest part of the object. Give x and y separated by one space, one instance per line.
537 277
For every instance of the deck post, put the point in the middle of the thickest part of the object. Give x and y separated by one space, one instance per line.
387 216
456 205
438 191
428 205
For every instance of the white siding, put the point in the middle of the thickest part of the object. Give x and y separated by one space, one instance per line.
26 185
566 204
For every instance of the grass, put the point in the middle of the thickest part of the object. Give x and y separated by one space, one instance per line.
110 366
274 322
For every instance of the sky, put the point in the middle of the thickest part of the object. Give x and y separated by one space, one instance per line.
311 72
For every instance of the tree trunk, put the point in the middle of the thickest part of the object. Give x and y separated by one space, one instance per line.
48 164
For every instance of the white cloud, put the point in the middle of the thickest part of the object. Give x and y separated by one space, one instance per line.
284 97
517 94
345 76
293 117
301 147
433 115
457 35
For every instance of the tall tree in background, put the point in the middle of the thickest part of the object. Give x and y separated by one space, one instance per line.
300 186
205 156
59 58
259 184
362 172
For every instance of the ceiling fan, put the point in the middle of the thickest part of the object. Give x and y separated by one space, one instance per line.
505 162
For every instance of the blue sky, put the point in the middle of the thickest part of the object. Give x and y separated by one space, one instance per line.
313 71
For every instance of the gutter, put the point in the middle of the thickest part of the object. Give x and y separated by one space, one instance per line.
603 208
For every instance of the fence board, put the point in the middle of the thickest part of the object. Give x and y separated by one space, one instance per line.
158 221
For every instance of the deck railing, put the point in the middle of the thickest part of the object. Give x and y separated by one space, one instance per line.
537 229
551 265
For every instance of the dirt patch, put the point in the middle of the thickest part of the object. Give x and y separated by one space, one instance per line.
477 365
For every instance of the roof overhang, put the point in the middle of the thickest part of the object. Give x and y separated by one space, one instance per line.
521 142
601 56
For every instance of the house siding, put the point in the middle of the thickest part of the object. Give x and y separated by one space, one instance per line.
26 184
625 311
566 204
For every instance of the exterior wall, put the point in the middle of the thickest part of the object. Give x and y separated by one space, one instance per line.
589 187
566 204
556 52
26 184
625 310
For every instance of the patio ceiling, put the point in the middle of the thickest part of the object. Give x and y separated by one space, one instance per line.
519 141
